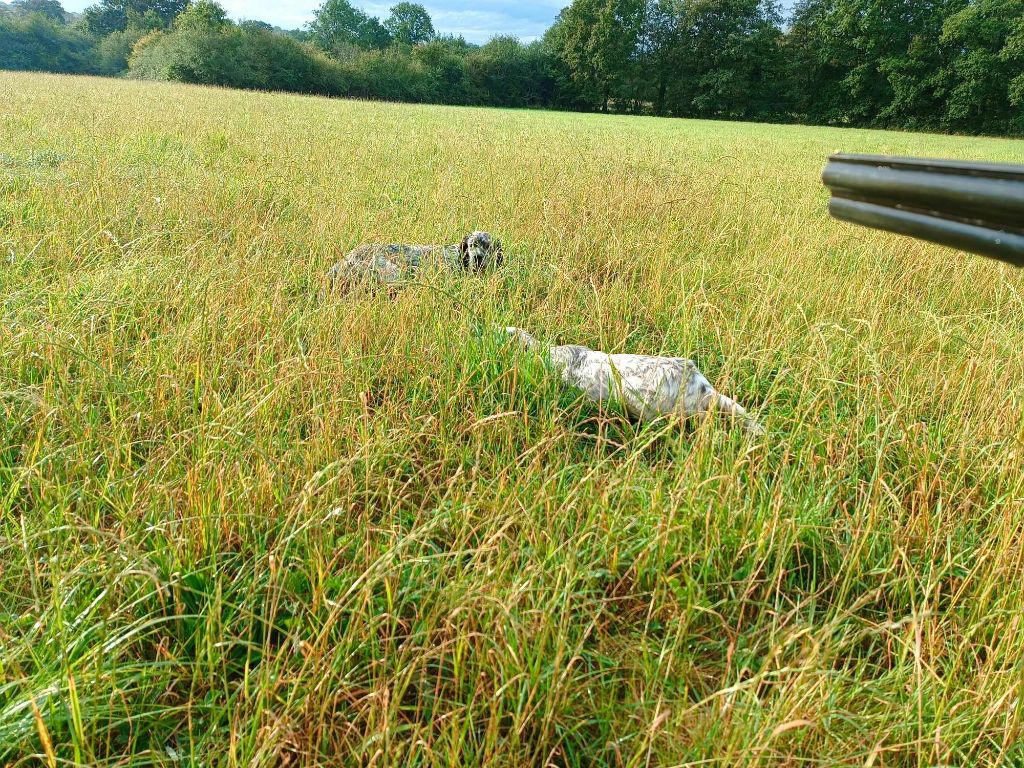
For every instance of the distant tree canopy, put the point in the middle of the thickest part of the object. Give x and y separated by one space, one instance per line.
202 15
598 41
985 79
941 65
728 61
936 65
35 41
337 23
109 16
51 9
409 23
505 73
954 65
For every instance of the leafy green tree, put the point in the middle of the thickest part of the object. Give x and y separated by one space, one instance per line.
35 42
237 57
202 15
1013 54
707 58
392 74
455 43
256 25
872 62
112 15
896 80
444 68
105 18
409 23
113 51
818 64
499 73
598 42
986 76
564 90
659 48
338 23
728 62
507 73
51 9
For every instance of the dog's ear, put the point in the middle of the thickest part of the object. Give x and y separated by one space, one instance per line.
464 251
499 255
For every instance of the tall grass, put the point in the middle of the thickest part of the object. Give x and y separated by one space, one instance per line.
246 522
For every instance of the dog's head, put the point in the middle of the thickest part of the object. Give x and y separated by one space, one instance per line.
480 252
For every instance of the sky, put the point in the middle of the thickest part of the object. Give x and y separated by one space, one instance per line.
476 20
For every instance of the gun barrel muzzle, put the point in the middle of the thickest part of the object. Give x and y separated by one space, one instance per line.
976 207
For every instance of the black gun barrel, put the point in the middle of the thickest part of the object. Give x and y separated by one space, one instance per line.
976 207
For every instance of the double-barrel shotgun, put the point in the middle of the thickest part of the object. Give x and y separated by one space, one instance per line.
975 207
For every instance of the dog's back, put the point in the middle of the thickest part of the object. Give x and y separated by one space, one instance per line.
385 263
394 262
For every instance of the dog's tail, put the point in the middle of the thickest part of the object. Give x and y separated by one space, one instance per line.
524 338
334 276
728 407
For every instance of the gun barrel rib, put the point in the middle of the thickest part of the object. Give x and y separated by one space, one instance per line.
976 207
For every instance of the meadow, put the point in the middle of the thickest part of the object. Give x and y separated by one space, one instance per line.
245 521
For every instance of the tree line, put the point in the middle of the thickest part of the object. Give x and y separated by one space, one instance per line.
942 65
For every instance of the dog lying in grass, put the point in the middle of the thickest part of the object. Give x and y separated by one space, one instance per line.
649 387
393 264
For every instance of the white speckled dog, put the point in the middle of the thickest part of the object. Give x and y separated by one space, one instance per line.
649 387
394 263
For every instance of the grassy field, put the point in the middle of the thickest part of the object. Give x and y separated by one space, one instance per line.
247 522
